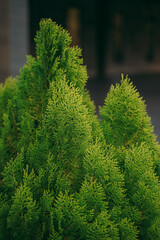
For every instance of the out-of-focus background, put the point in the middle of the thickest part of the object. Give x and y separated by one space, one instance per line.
116 36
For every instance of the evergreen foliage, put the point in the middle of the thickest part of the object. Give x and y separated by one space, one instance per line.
65 174
125 121
127 128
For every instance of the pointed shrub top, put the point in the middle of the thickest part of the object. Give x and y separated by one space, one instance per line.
124 116
54 52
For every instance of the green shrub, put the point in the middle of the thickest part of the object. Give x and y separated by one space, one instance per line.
64 173
125 121
128 131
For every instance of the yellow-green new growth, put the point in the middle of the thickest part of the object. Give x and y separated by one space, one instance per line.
64 174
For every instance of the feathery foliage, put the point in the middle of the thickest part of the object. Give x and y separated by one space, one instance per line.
65 174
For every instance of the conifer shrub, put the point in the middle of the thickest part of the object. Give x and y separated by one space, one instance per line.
128 129
64 173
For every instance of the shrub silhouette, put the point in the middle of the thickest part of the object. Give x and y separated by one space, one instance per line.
64 173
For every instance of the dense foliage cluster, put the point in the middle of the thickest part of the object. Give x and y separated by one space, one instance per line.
64 173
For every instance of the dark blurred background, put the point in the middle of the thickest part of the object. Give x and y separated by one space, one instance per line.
116 36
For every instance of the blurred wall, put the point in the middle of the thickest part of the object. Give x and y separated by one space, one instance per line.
4 40
18 34
14 36
116 36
